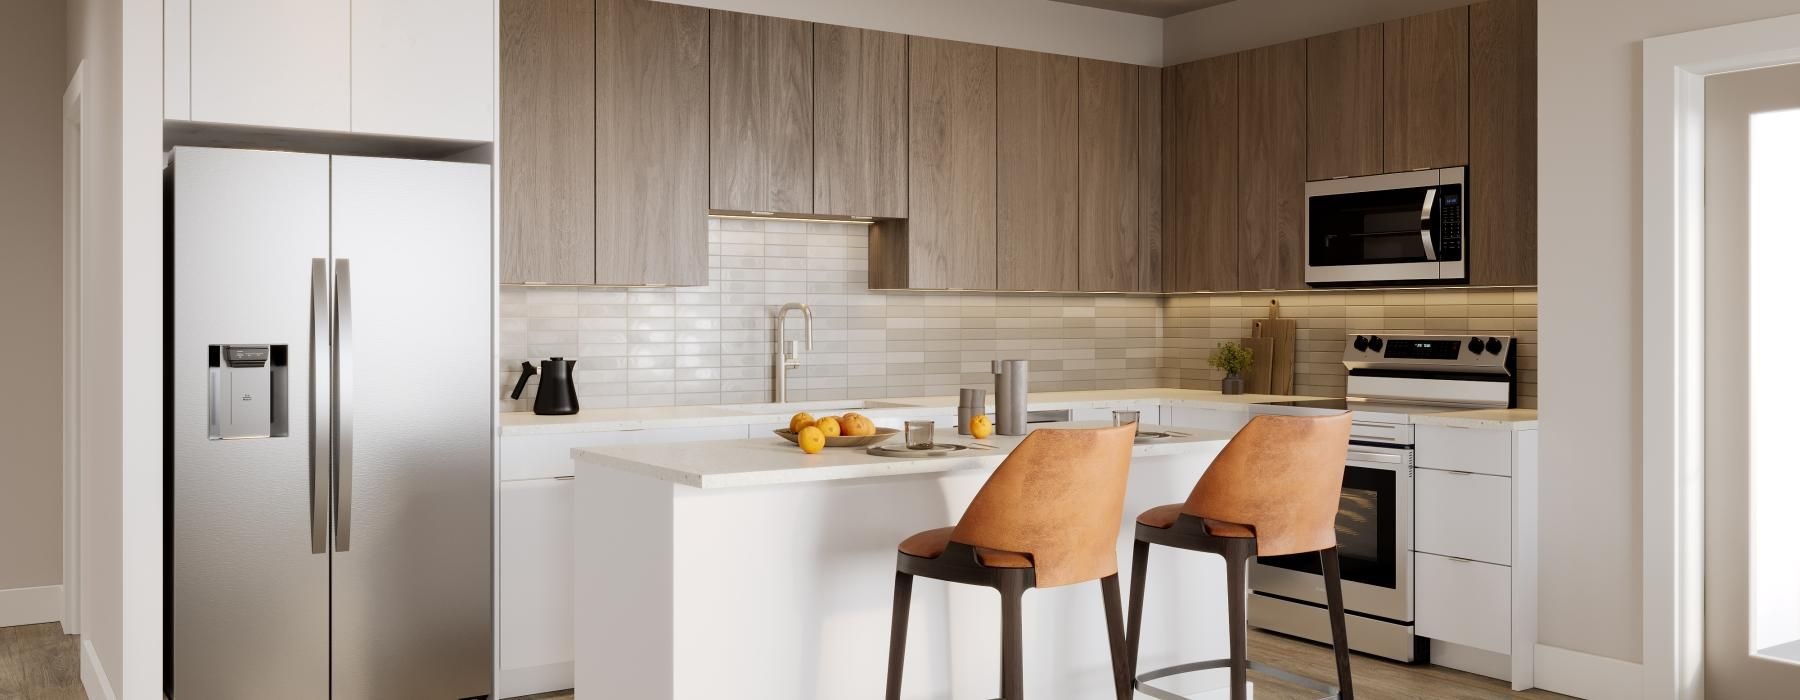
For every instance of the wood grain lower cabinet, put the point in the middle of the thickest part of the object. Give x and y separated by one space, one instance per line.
761 114
1503 142
1425 100
1272 167
547 124
651 186
1200 175
1149 177
1109 176
949 239
1038 171
1343 103
859 122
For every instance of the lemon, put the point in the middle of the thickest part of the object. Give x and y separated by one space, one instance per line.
812 441
800 420
830 427
981 426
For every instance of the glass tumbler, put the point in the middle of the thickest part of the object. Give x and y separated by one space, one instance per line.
1125 417
919 434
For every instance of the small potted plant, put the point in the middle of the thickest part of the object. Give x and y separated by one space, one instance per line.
1234 359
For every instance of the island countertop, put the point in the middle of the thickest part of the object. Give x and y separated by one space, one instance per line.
772 460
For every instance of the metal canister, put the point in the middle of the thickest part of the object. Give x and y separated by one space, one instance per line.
1011 385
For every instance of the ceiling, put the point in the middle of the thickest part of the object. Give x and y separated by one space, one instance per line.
1153 8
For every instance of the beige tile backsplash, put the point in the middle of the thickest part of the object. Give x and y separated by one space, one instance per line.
714 344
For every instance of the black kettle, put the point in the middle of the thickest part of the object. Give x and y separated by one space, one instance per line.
556 389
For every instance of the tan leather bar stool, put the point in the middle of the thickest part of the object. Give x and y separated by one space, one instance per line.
1273 490
1049 516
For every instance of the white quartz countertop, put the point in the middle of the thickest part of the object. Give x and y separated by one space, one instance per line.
1487 419
772 460
612 419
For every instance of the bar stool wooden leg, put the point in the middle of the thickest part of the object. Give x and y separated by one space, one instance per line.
1012 639
1115 635
897 637
1237 586
1140 562
1334 598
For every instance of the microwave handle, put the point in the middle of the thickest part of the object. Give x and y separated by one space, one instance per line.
1427 225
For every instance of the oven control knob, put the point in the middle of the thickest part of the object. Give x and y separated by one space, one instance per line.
1375 343
1494 347
1361 343
1475 346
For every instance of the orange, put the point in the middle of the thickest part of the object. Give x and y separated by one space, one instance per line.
857 425
800 420
830 427
980 427
812 441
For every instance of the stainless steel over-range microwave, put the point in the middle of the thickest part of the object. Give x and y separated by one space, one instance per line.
1385 229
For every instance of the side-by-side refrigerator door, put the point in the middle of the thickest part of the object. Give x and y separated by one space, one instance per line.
249 554
412 576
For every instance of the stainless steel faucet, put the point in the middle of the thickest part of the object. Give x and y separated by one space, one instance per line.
787 352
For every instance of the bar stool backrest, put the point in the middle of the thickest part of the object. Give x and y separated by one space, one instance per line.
1282 477
1058 498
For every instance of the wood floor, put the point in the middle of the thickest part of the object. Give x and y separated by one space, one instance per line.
1375 679
39 662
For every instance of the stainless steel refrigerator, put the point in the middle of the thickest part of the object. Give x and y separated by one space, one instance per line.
330 447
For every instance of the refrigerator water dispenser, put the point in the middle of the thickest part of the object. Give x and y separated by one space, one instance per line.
248 397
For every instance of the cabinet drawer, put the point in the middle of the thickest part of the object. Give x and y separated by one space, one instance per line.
1464 602
1223 419
1459 514
1465 449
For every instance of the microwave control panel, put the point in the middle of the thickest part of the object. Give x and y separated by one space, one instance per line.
1450 226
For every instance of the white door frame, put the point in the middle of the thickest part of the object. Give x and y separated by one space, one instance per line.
1674 289
74 233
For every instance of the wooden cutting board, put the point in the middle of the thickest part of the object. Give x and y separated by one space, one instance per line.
1257 379
1281 357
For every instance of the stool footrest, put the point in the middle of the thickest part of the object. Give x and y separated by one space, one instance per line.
1281 674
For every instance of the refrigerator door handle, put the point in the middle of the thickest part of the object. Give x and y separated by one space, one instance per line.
319 402
341 404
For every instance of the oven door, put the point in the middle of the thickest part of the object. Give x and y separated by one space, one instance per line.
1374 531
1386 228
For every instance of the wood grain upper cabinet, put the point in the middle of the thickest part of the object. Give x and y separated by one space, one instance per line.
1200 175
1149 177
1426 91
1109 177
1038 171
423 68
547 120
1343 104
1503 142
859 122
762 114
1272 167
951 163
650 187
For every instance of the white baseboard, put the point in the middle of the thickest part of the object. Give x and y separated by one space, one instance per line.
1586 675
93 675
30 606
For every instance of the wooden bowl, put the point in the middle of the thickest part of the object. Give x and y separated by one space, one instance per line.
881 435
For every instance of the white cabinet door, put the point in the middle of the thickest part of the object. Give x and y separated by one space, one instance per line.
279 63
1466 515
423 68
537 600
1464 602
1229 420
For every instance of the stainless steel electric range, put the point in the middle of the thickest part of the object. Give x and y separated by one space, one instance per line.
1391 380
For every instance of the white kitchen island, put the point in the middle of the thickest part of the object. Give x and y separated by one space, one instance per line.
747 569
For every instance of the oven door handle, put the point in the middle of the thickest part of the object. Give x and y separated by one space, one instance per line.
1383 459
1427 227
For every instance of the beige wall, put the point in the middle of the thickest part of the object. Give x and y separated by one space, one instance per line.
1589 253
1249 24
1036 25
31 71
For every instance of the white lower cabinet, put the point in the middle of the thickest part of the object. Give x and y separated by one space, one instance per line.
1460 514
1463 602
537 601
1228 420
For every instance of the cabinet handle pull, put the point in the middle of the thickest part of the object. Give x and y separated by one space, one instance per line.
1460 560
570 477
1458 473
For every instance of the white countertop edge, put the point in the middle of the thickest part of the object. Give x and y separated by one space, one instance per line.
1490 419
